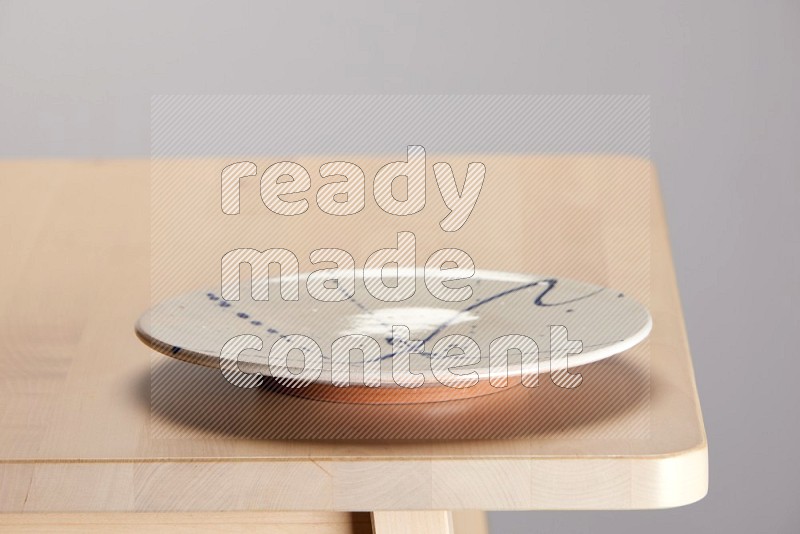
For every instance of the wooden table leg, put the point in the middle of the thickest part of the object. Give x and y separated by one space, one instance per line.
470 522
412 522
430 522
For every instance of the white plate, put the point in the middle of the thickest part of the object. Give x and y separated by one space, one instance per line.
195 326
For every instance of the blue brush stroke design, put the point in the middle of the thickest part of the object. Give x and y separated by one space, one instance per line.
538 301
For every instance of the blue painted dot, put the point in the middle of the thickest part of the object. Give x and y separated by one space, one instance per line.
175 350
242 315
224 304
570 311
212 296
256 323
272 331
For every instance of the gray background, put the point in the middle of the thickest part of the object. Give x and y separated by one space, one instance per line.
76 80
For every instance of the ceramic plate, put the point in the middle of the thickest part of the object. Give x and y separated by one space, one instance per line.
195 327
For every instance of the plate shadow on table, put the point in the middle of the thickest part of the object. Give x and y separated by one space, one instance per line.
191 401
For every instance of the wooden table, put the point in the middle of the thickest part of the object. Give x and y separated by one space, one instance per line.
78 434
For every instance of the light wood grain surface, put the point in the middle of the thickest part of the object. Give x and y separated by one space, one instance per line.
203 522
80 431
